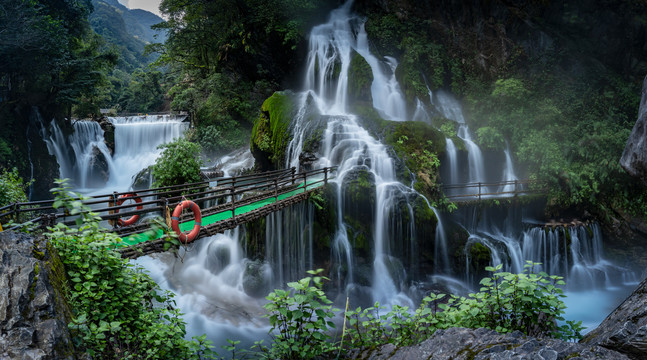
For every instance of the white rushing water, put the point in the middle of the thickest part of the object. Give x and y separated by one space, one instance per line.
84 157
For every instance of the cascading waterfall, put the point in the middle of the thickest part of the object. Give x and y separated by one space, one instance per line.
88 147
210 286
441 257
288 244
84 157
136 144
421 113
474 156
451 154
509 176
348 145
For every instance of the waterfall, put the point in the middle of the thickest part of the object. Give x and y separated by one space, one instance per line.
89 147
136 144
509 175
448 106
288 244
220 289
474 156
421 113
349 146
441 257
84 157
210 282
451 154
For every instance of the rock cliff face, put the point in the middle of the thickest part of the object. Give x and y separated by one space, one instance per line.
460 343
33 313
625 329
634 158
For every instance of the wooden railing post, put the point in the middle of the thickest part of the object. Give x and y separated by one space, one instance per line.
16 209
233 198
479 191
276 194
516 192
294 172
325 175
112 202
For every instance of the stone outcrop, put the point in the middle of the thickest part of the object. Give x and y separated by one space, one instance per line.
634 158
460 343
625 329
33 313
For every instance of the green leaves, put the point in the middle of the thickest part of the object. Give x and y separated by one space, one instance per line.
178 164
298 319
120 312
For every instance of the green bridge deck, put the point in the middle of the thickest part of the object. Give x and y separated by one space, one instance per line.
217 217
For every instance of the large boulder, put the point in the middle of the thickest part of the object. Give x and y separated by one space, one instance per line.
625 329
634 158
33 312
460 343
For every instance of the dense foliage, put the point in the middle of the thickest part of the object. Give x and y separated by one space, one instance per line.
227 57
178 164
132 86
119 311
532 77
300 320
48 50
12 188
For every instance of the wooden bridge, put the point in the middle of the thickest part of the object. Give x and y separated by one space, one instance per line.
478 191
225 203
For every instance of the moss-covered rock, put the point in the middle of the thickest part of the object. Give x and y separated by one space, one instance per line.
360 77
419 145
358 195
270 135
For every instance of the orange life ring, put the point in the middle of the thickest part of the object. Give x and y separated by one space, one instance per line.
175 221
133 219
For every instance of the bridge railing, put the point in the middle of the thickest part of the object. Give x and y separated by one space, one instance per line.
481 190
212 196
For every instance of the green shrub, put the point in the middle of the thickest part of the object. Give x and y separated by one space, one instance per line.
119 311
300 320
12 188
527 302
178 164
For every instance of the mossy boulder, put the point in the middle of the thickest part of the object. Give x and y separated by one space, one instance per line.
270 134
419 146
360 78
358 195
325 221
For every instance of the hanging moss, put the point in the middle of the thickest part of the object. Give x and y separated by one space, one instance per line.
270 135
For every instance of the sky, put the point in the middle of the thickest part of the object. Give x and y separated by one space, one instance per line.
149 5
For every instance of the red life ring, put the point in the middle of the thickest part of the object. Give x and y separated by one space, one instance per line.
175 221
133 219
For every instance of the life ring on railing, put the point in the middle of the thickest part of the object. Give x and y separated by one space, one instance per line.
133 219
175 220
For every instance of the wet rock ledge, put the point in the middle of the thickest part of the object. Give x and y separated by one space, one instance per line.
481 344
33 312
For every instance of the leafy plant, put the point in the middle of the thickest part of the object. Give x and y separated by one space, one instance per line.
300 320
12 187
119 311
178 164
